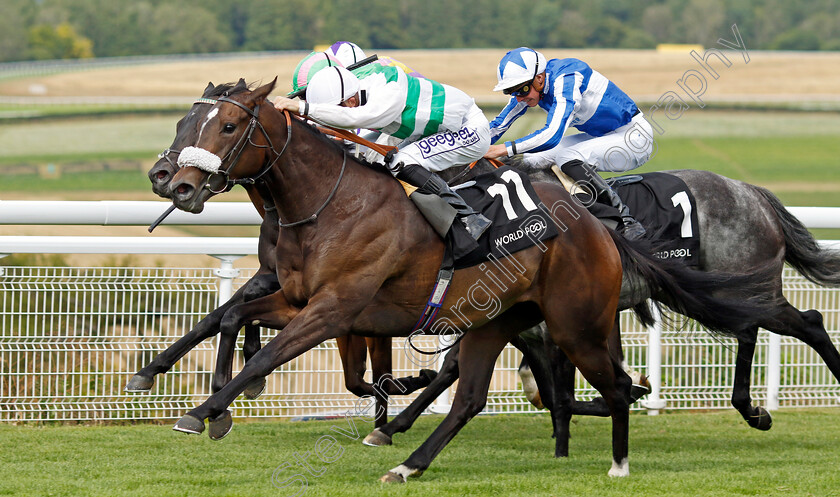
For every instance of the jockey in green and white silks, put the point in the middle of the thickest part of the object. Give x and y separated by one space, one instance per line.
440 125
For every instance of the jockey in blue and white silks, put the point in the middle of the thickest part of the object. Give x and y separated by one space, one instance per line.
614 136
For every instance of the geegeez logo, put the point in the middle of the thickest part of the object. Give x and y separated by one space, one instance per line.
446 141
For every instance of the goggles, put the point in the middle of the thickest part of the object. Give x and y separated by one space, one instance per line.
520 91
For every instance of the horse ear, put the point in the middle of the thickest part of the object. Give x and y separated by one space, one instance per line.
263 91
207 90
240 85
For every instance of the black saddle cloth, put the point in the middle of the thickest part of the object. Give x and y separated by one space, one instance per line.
666 208
507 198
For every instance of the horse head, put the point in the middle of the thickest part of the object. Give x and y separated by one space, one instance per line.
219 155
186 132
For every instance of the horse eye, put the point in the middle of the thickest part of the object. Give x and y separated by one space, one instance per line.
229 128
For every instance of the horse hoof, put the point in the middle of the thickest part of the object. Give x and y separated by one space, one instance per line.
220 425
619 470
189 424
762 420
377 439
640 386
255 389
390 477
139 384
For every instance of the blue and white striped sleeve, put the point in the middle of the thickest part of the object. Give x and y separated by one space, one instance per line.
565 92
512 111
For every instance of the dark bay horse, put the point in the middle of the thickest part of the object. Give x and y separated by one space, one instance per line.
352 349
356 257
741 226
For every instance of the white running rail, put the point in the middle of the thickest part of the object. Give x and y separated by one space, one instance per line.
71 337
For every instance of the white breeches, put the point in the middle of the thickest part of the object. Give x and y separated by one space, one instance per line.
446 149
626 148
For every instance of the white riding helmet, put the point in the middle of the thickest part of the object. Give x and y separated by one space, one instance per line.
346 52
332 85
518 66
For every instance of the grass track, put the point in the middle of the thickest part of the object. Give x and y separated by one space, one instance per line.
683 454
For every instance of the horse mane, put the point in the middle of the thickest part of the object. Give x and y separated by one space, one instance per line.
228 89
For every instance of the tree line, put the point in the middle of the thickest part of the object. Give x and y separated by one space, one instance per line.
62 29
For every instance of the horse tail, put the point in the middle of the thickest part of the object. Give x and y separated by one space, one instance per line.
693 293
819 265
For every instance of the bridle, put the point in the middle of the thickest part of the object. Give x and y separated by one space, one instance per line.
236 152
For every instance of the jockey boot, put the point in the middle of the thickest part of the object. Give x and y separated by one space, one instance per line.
582 173
428 182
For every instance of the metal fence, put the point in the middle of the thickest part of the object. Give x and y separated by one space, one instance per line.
70 337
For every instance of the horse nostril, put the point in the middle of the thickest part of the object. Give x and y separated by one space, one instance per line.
182 189
161 175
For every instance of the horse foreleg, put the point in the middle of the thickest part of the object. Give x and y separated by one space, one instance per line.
144 379
447 375
231 323
381 362
478 353
353 354
384 384
532 344
302 330
266 285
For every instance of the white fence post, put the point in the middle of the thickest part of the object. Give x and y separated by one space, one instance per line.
774 371
226 274
654 402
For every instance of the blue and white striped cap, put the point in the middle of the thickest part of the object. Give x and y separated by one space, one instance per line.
519 66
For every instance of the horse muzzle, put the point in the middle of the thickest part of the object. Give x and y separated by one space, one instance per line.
161 175
188 196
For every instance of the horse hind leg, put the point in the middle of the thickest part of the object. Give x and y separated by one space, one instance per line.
808 327
755 416
478 353
383 435
604 372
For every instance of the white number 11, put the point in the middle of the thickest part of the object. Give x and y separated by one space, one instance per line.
524 199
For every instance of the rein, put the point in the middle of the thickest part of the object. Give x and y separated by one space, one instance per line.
353 137
237 150
314 216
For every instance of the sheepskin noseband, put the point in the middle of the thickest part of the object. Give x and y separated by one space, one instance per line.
200 158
